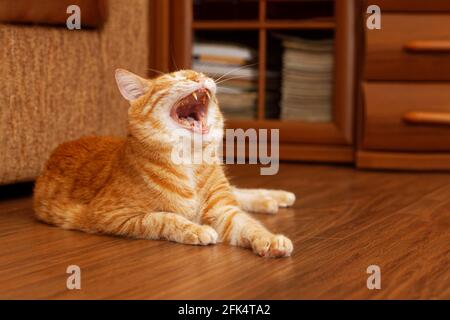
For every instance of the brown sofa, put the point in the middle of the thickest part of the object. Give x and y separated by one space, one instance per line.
58 85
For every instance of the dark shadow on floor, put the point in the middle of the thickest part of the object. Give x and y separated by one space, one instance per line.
17 190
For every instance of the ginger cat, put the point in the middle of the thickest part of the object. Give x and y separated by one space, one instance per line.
130 187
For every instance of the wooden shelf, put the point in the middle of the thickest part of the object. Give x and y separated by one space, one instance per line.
309 24
225 25
403 160
292 131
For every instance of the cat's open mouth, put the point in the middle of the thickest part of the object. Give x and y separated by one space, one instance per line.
190 112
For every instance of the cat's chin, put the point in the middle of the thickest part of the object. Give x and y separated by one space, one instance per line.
190 112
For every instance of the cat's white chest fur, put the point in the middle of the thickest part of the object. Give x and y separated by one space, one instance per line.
192 181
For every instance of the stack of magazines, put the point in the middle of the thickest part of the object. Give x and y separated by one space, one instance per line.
307 79
232 65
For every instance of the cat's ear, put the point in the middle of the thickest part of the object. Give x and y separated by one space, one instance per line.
131 86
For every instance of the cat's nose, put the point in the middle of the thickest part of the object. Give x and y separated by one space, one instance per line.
209 84
201 80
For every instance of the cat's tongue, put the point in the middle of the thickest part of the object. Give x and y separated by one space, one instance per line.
190 112
198 126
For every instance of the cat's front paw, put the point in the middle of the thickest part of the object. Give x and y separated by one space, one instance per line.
201 235
268 205
285 198
272 246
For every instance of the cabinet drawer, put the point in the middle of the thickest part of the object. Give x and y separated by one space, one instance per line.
411 5
409 47
406 116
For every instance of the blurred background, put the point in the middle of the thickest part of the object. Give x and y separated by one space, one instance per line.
338 91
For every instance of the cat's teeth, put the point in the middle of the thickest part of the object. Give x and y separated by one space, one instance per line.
207 93
195 96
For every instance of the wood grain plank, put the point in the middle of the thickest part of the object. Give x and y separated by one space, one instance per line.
343 221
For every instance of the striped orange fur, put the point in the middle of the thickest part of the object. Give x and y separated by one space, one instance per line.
130 187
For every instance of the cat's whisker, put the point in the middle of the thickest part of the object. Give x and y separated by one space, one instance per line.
154 70
212 75
231 78
173 60
234 70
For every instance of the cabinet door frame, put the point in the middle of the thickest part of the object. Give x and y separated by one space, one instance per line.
170 35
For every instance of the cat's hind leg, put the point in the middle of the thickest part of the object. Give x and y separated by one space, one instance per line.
263 200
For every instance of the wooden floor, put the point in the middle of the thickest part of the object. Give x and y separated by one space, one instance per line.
344 221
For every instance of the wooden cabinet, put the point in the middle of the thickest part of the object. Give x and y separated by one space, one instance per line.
404 110
404 116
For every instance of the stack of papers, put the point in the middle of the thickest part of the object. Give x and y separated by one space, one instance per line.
307 79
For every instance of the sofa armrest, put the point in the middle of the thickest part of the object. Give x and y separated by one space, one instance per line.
53 12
